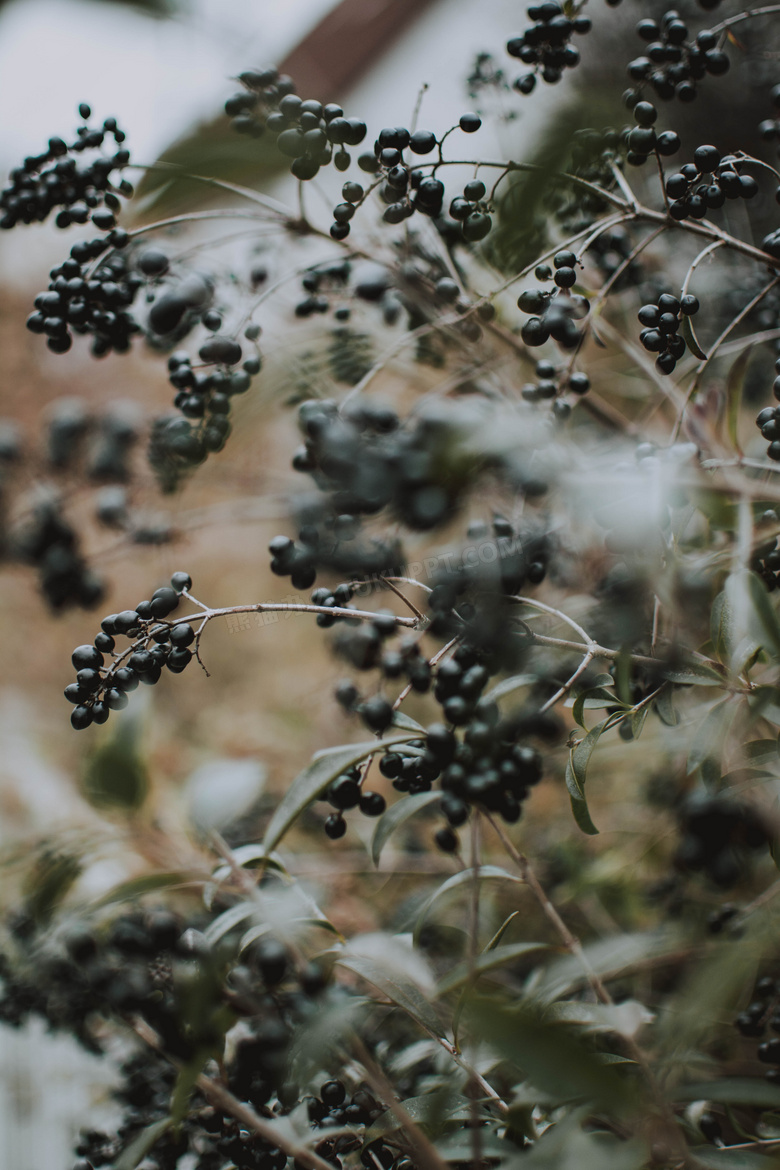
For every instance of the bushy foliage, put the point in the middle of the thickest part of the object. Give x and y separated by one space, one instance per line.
566 548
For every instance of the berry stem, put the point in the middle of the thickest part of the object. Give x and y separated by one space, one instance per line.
746 15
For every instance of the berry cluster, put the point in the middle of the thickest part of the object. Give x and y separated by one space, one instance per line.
405 190
366 461
765 561
155 643
770 127
768 422
487 767
201 393
552 383
306 131
718 833
547 44
79 977
642 139
672 64
693 194
346 792
763 1011
661 322
55 179
471 210
555 313
50 543
83 302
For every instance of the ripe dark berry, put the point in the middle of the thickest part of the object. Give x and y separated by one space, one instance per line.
86 656
335 826
181 581
377 713
80 717
469 123
446 839
422 142
333 1094
372 804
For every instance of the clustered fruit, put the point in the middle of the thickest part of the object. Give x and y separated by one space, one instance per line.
88 302
554 314
552 383
692 194
346 792
49 542
546 45
763 1011
405 190
769 129
662 322
306 131
55 179
672 64
154 643
719 833
364 460
488 766
768 422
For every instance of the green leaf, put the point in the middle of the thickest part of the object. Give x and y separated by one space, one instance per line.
496 939
320 773
638 721
228 920
401 991
510 684
576 769
592 699
762 751
609 958
185 1083
402 721
727 1159
142 1144
566 1146
136 887
552 1056
734 385
252 856
498 957
711 733
48 881
665 709
696 674
116 777
764 611
686 330
430 1111
753 1091
454 883
396 816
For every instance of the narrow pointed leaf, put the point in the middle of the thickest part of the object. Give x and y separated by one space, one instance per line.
494 959
687 331
142 1144
734 385
403 992
576 770
319 774
485 873
396 816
